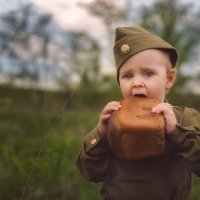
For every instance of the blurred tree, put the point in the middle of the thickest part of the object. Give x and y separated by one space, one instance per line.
42 50
176 22
85 57
111 13
25 48
17 46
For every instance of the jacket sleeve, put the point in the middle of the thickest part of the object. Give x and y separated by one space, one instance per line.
185 139
93 158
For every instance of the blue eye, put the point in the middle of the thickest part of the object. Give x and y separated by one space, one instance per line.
148 74
128 76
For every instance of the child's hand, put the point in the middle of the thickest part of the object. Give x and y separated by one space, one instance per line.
105 115
170 119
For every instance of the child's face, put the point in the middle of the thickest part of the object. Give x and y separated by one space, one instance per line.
147 74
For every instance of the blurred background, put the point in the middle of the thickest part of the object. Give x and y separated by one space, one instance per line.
56 74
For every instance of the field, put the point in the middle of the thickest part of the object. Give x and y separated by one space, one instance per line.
40 137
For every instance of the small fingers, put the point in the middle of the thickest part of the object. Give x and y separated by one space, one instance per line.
110 107
105 117
162 108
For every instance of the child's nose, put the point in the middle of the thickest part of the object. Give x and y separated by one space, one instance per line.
137 82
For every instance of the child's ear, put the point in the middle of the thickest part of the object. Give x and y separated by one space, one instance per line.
171 77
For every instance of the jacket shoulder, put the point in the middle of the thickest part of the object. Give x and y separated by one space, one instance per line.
184 114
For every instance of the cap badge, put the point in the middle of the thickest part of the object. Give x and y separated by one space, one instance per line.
125 48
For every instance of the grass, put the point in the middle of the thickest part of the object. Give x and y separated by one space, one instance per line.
39 146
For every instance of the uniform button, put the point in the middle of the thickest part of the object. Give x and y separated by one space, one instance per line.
125 48
93 141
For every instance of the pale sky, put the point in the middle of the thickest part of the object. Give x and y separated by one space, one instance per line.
69 15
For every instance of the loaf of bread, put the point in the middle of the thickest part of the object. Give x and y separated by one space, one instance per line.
134 132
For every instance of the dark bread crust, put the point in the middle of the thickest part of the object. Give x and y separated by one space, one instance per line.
134 131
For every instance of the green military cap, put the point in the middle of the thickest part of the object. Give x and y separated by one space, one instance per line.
133 39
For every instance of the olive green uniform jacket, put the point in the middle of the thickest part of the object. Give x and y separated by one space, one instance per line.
167 177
